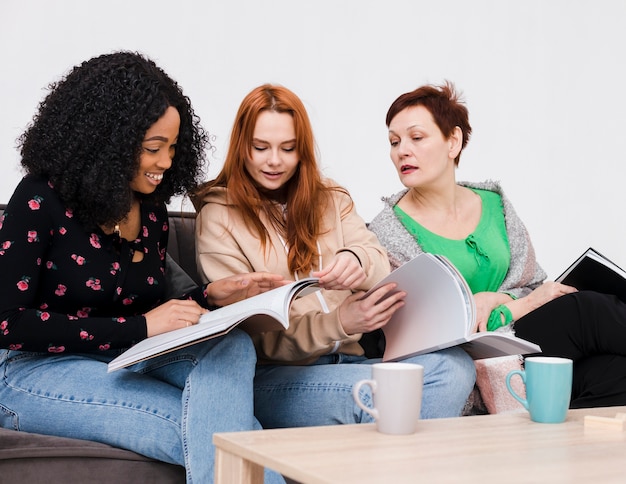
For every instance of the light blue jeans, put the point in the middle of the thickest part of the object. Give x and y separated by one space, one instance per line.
166 408
321 393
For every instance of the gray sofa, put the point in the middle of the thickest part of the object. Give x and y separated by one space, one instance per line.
34 458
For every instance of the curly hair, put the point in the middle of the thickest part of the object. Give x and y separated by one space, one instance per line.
87 134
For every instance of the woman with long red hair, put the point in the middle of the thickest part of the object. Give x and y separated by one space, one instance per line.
270 209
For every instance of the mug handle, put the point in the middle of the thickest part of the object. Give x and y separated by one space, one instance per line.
357 398
522 375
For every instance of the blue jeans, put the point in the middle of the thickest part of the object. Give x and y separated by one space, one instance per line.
321 393
166 408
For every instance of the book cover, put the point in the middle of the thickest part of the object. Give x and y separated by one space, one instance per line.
594 272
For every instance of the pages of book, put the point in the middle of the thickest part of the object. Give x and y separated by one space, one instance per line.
439 313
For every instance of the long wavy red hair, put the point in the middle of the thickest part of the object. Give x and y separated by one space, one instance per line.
307 196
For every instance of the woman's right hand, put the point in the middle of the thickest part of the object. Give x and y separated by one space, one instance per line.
363 315
174 314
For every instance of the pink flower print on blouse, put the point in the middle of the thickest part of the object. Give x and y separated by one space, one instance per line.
38 261
79 259
94 283
127 301
118 290
43 315
2 219
120 319
152 281
4 327
114 268
35 202
94 240
62 230
152 217
51 265
165 227
69 213
56 349
15 346
6 245
145 231
60 290
22 285
84 335
104 347
32 236
83 313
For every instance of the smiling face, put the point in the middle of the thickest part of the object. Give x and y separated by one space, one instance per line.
273 156
157 151
419 150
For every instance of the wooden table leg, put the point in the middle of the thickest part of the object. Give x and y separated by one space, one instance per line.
232 469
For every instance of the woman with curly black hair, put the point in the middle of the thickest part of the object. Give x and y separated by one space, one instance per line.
83 246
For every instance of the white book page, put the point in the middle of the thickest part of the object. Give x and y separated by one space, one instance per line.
435 312
269 309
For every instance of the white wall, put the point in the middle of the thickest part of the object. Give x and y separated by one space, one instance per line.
543 80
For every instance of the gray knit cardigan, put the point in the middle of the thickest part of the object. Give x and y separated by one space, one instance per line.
524 273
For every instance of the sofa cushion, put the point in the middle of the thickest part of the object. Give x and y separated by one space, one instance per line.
36 458
181 245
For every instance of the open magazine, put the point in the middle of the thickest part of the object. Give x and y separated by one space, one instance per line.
268 311
439 312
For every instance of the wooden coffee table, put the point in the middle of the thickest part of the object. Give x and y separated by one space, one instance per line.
485 449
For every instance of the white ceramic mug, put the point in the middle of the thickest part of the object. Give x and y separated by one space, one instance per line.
397 395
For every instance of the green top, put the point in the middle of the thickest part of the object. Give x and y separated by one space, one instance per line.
483 257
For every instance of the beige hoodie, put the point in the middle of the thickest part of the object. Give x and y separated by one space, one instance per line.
226 246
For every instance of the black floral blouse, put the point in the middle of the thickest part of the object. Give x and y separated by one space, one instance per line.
65 289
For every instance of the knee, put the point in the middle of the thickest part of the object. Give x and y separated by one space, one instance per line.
461 366
234 346
240 343
453 366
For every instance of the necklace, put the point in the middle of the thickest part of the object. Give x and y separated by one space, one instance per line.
117 229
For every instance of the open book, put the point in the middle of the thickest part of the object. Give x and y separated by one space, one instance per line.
438 313
268 311
594 272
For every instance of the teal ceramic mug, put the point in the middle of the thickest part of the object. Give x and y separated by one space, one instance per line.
548 382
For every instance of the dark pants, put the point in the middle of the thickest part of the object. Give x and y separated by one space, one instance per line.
589 328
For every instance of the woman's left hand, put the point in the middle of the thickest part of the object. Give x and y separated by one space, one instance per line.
343 272
241 286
